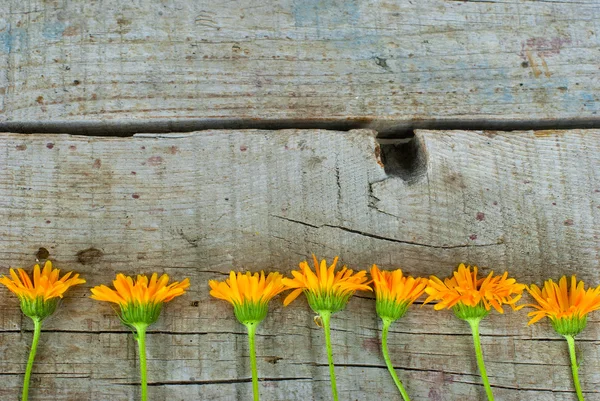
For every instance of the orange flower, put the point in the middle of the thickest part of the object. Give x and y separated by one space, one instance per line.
325 290
464 289
393 286
141 291
140 301
471 299
247 287
45 284
557 301
39 299
394 294
567 308
248 293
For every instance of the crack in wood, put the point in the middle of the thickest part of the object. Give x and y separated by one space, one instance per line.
216 381
456 375
518 388
374 207
382 238
150 332
53 374
295 221
316 329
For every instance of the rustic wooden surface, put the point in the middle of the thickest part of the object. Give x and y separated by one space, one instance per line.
388 64
197 205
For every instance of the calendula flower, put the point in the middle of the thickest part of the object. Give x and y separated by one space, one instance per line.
394 293
472 299
39 298
250 295
140 304
327 292
567 308
464 289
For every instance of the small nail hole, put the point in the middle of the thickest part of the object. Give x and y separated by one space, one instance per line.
42 254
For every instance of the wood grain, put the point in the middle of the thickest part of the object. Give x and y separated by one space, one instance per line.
158 65
197 205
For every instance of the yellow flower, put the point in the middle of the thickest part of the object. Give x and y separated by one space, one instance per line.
566 307
141 291
45 284
463 289
325 291
248 293
472 299
39 297
140 301
395 292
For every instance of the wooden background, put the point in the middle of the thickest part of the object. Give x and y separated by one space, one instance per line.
197 204
156 65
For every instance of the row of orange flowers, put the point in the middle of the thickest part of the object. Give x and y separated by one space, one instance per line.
327 291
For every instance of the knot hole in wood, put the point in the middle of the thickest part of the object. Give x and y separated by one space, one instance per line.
404 158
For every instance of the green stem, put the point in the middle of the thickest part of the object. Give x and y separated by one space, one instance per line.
141 340
388 362
474 322
251 334
574 367
37 329
325 318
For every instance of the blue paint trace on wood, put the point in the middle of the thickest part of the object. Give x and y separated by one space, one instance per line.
54 30
12 38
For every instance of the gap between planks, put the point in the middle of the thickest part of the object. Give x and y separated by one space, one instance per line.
386 128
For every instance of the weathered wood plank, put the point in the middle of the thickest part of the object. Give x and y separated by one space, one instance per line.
387 64
197 205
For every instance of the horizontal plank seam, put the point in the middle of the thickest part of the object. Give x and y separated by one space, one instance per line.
388 128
